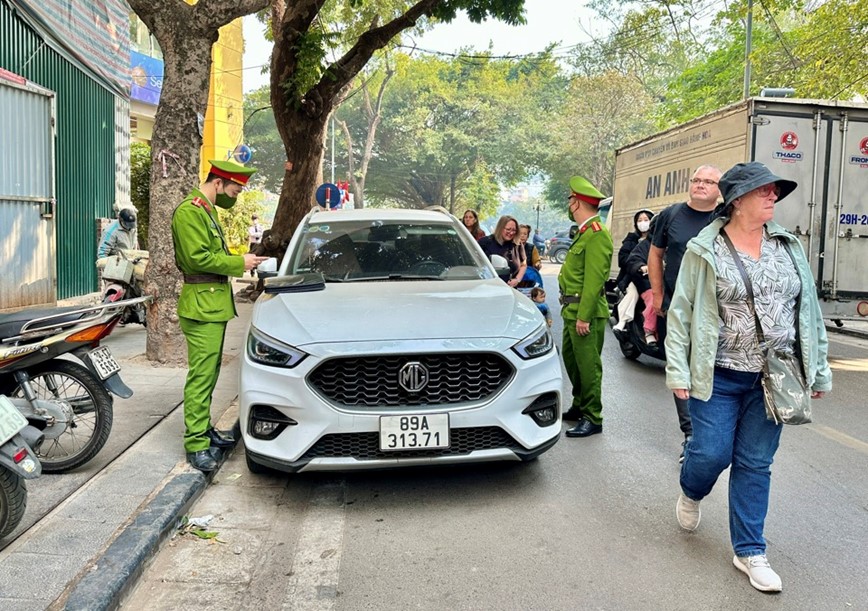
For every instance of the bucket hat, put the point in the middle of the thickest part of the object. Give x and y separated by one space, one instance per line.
745 177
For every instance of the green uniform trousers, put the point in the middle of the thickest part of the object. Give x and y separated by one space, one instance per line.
585 368
204 355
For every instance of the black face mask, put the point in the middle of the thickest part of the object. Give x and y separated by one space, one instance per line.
224 201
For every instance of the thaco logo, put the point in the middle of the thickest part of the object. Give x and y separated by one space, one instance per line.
789 144
862 159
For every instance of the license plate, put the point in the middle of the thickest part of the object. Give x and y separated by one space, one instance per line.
414 432
11 420
103 361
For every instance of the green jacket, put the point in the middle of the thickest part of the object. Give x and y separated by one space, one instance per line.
693 318
585 271
200 249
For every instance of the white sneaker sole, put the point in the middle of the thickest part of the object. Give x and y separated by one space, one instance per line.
741 567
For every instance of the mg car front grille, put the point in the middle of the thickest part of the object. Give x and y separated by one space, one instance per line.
411 380
366 446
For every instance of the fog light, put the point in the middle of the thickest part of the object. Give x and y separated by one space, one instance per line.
262 428
267 422
545 409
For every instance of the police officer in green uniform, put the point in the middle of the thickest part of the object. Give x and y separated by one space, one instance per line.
206 303
582 283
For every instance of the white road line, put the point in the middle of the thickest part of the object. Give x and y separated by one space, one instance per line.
313 582
838 436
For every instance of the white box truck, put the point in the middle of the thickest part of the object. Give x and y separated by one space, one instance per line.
820 144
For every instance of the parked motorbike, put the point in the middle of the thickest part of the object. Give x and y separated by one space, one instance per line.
17 463
123 276
69 402
632 338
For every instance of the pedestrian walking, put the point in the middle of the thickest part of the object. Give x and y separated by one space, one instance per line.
582 283
745 288
675 226
206 302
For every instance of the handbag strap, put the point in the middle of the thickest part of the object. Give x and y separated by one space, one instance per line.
761 338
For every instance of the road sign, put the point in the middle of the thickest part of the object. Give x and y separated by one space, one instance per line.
329 195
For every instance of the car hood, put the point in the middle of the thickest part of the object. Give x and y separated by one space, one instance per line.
390 311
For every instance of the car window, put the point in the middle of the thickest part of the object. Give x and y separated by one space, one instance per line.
385 251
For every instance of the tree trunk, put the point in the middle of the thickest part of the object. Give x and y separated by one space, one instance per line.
175 150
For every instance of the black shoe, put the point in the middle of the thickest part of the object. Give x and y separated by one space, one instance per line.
202 460
571 416
584 429
216 453
220 439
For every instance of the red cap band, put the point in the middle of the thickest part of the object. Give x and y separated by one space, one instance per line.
593 201
241 179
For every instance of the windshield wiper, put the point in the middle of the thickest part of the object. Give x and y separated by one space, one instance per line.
391 277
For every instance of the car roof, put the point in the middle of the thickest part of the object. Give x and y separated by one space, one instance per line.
431 215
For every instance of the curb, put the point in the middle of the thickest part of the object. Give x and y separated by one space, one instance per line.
122 563
115 572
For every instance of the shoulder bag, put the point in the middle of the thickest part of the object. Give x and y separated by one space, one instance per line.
785 392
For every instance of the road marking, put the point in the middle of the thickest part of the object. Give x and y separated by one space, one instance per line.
313 581
842 438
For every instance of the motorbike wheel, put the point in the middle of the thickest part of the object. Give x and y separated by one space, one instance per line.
13 501
59 380
560 256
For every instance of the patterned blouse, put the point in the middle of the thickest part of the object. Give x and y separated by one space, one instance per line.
776 285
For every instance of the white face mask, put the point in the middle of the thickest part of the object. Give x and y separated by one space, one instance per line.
643 226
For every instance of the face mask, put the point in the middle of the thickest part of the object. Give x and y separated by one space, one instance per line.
643 226
224 201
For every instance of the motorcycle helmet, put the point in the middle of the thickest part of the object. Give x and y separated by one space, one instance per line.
127 218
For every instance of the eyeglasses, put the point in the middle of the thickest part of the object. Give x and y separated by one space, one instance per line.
703 181
766 190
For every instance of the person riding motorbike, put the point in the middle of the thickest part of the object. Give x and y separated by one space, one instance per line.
120 234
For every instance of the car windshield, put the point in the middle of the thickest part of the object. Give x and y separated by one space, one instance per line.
365 250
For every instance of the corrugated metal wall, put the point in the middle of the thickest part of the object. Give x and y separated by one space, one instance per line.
26 197
86 171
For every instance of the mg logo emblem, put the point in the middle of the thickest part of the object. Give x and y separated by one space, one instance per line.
413 376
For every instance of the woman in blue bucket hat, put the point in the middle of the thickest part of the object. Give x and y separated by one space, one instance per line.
715 358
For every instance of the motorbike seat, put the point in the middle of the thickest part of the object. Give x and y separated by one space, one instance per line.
11 324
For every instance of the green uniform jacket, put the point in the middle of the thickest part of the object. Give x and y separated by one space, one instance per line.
585 271
200 249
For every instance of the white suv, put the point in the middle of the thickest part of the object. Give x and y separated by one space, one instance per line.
386 339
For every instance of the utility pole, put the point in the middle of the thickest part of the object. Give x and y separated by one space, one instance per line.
333 150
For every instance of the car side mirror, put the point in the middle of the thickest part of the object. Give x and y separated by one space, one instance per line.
267 269
501 267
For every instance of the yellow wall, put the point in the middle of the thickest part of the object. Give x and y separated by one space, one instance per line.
225 115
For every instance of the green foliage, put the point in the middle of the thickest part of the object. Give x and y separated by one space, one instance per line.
260 133
236 220
140 187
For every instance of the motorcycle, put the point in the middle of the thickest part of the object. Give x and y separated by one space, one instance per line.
68 402
17 463
631 338
124 276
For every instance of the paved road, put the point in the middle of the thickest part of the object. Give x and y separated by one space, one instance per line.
589 525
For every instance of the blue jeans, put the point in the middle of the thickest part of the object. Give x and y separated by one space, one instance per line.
731 429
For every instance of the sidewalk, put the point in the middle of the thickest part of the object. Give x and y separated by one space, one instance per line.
90 549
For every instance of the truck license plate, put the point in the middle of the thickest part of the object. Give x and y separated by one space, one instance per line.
414 432
11 420
103 361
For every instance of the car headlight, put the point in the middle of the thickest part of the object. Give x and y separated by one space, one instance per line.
536 344
268 351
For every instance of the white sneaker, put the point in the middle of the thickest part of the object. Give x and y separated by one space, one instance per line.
761 575
687 512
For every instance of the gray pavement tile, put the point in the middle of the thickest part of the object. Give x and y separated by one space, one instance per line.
36 576
23 604
70 539
106 503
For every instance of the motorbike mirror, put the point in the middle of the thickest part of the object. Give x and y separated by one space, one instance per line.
267 269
